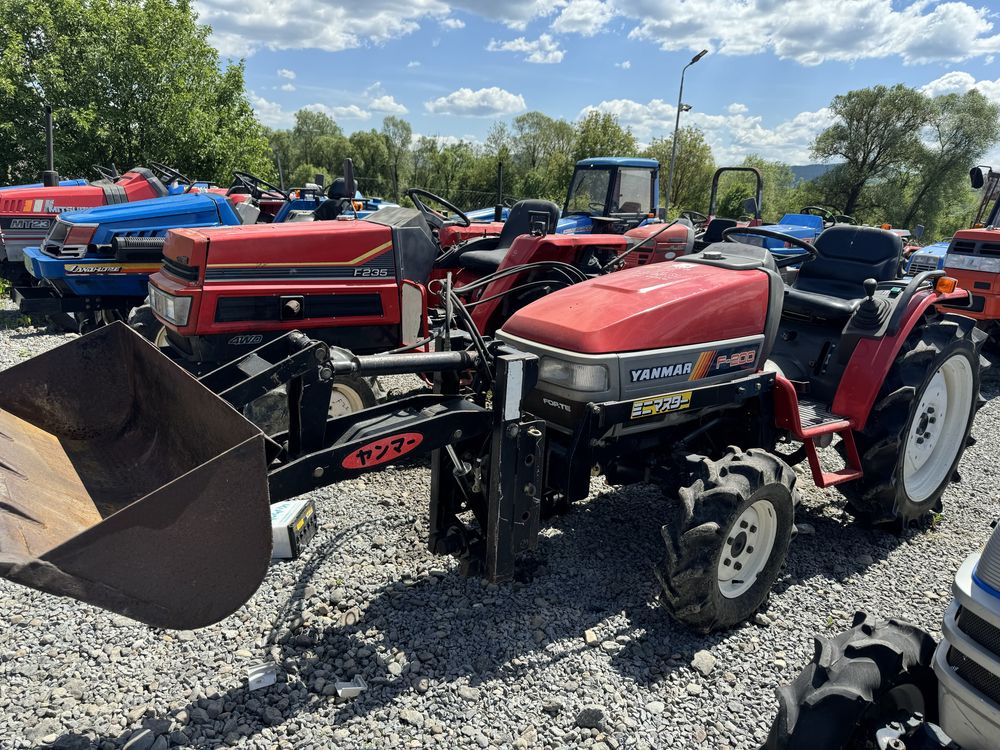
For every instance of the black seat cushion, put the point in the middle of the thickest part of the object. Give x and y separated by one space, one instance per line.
519 222
832 285
482 260
715 228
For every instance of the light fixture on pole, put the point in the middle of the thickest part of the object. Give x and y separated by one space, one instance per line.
677 124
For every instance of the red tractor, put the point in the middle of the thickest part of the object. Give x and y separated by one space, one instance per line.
27 214
144 492
372 285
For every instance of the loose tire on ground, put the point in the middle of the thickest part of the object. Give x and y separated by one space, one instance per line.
726 538
857 681
919 425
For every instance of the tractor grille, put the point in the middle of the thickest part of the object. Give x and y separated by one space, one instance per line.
979 630
974 247
977 676
921 263
180 270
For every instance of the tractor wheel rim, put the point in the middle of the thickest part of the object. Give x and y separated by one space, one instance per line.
344 400
937 429
746 548
160 339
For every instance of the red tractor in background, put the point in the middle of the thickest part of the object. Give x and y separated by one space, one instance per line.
373 285
27 214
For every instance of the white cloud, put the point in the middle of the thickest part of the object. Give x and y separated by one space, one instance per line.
586 17
624 64
270 113
453 23
347 112
958 82
545 49
387 105
288 87
736 108
413 64
286 73
488 102
732 135
813 31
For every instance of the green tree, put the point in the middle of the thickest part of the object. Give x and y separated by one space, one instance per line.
877 131
600 134
397 134
693 168
371 162
130 81
962 128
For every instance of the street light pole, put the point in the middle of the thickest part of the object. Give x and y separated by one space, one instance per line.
677 124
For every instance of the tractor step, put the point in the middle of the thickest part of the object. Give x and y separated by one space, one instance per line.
816 421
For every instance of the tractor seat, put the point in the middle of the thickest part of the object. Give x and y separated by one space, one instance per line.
831 286
519 222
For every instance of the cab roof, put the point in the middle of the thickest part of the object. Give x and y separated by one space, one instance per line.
618 161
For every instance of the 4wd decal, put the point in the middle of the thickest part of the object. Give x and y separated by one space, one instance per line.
383 450
652 407
663 371
246 339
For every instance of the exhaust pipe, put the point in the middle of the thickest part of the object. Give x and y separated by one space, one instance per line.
140 491
50 177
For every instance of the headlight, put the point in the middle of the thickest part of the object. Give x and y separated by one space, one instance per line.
172 309
574 376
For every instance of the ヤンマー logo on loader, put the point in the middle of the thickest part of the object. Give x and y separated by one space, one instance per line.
657 405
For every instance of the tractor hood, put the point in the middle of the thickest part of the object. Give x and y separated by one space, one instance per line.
155 215
651 307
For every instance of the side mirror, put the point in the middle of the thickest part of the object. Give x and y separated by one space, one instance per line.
350 187
918 231
976 178
750 206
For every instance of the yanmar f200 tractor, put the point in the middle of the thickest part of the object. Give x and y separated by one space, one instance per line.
28 214
145 492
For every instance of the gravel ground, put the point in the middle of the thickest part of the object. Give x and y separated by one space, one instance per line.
578 655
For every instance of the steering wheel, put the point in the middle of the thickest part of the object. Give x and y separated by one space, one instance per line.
253 184
435 218
826 213
106 174
169 174
783 261
845 219
695 217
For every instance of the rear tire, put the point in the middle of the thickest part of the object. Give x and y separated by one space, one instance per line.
727 539
350 394
919 425
142 320
863 678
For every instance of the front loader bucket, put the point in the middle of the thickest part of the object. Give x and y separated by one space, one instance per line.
127 484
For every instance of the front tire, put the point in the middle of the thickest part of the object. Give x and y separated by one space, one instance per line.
349 395
919 425
143 321
727 539
868 676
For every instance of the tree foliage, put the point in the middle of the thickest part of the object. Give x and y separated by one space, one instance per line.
129 81
693 169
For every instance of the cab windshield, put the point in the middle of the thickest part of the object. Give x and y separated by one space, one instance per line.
588 191
593 193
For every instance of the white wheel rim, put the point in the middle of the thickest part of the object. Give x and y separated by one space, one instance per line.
747 548
345 400
938 428
161 338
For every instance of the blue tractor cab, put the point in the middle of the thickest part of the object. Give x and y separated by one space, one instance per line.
611 195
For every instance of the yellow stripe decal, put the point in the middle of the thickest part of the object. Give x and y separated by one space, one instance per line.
356 261
701 368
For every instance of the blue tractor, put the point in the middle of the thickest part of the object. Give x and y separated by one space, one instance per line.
611 195
94 265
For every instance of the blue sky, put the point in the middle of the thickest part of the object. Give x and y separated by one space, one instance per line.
453 68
